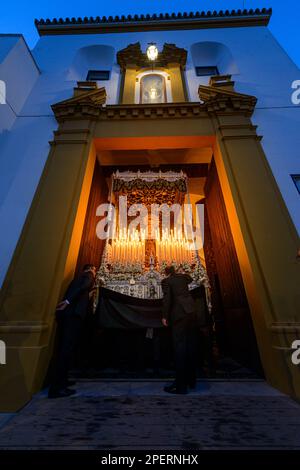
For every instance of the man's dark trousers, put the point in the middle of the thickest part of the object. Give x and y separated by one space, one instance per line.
184 343
70 324
68 335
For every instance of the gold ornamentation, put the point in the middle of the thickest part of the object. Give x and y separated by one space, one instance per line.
132 55
159 191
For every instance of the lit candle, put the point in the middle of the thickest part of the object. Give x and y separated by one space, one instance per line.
129 252
111 252
114 250
135 253
119 250
123 250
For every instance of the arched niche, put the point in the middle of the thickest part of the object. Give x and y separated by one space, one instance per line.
95 57
161 81
208 53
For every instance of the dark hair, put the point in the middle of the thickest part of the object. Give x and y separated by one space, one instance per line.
169 270
88 266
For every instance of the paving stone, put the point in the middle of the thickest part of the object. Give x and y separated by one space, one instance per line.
140 415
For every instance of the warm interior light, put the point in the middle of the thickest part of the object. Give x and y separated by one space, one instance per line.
153 93
152 52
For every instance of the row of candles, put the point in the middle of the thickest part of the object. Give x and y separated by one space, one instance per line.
173 247
129 247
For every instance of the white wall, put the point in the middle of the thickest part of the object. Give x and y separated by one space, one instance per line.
259 66
19 174
25 155
18 70
19 73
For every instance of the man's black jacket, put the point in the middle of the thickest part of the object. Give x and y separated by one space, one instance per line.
178 301
78 294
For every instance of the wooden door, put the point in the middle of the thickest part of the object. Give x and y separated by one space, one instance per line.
235 331
91 246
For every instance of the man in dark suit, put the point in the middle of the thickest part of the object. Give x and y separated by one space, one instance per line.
70 315
179 313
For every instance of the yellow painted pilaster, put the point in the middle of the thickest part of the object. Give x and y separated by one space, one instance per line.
129 85
177 85
266 242
43 262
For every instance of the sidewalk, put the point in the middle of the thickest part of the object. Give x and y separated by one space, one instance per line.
139 415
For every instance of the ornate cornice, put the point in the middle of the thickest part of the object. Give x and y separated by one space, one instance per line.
133 55
128 111
152 111
86 93
91 105
87 100
162 21
220 98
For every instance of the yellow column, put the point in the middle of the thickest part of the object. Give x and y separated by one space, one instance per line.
266 242
129 85
177 83
44 260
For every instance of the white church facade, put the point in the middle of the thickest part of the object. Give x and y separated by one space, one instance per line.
215 103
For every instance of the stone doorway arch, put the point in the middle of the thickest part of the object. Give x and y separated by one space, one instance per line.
44 261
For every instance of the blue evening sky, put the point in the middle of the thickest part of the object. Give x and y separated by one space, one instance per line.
18 16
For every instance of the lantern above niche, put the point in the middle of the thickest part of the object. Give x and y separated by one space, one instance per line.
152 52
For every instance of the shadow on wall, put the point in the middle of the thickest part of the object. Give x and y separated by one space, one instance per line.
97 57
208 54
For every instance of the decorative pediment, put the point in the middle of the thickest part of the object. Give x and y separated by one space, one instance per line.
86 100
133 55
220 97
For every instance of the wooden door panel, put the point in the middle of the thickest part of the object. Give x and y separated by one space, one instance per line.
231 305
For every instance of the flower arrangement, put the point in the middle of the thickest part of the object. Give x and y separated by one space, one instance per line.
199 274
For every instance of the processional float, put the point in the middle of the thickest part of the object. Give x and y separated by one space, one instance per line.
139 248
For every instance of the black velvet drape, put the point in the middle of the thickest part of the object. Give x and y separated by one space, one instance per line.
117 310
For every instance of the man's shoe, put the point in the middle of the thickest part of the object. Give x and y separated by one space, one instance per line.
66 392
170 387
193 385
175 391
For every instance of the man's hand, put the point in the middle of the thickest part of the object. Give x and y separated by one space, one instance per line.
164 321
62 305
92 292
